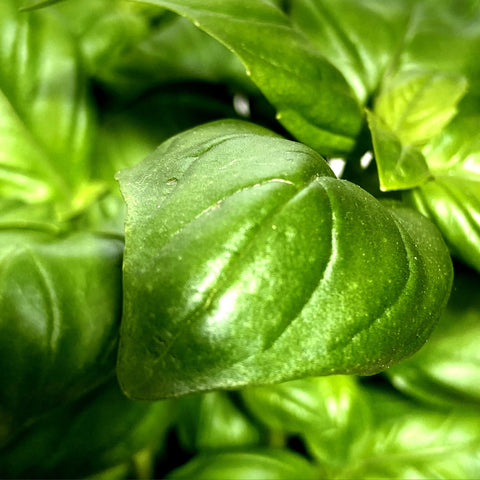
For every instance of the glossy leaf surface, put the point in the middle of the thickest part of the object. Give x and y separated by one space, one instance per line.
257 32
342 30
329 413
409 104
411 441
60 307
248 262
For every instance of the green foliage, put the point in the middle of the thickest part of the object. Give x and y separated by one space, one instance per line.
218 211
288 306
59 320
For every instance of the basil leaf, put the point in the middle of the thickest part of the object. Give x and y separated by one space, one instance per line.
260 464
411 441
258 33
359 38
238 244
456 150
400 166
330 413
59 320
446 371
213 421
41 84
453 204
409 104
99 431
452 199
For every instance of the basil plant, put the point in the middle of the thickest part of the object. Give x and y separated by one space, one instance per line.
239 239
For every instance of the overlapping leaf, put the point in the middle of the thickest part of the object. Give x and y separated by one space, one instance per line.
60 306
330 414
312 98
45 114
447 370
281 464
99 431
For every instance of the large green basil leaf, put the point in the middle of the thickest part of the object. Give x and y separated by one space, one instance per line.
312 98
213 421
45 114
446 370
411 441
261 464
60 307
101 430
329 413
248 262
360 38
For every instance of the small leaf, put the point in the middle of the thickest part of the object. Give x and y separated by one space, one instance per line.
409 104
248 262
213 421
452 199
400 167
456 150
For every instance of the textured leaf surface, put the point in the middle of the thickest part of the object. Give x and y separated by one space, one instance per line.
248 262
58 320
290 77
